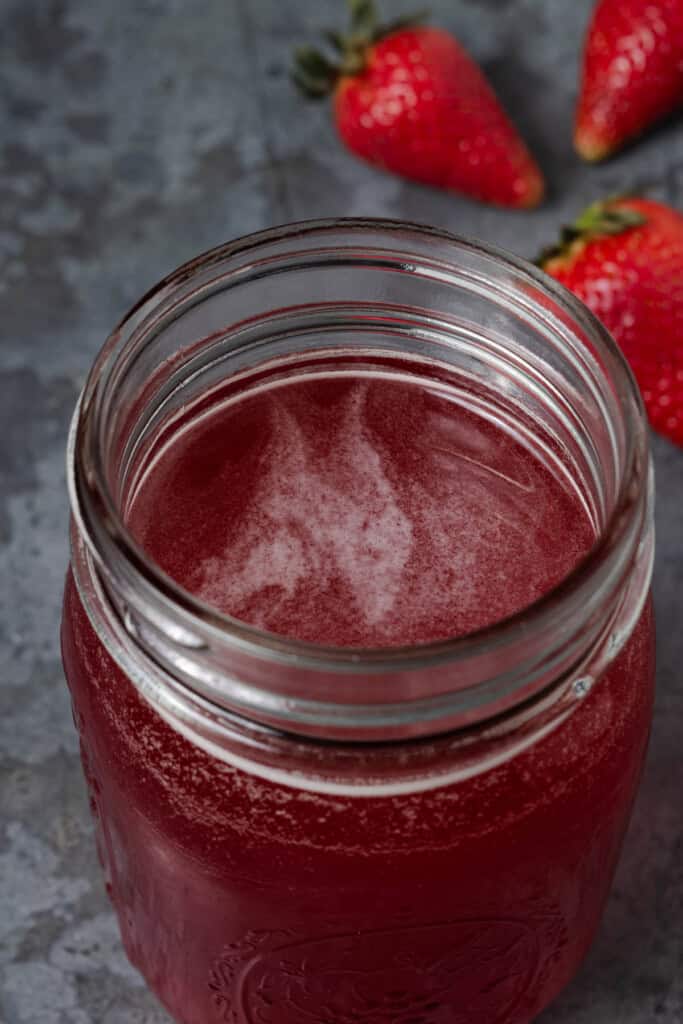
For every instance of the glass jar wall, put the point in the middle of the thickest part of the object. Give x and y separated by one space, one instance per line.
415 830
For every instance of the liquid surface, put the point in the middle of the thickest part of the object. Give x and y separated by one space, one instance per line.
363 511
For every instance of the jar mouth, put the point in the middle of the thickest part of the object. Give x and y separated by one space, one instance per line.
190 623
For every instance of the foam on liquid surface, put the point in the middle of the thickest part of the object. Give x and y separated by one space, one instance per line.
361 511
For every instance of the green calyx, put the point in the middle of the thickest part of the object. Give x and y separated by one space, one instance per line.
597 221
316 74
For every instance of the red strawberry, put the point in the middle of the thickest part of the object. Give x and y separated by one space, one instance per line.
632 72
624 259
410 99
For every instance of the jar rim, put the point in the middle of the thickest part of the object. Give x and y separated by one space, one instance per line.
356 659
200 656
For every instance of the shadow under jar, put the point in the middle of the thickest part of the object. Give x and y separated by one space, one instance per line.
357 628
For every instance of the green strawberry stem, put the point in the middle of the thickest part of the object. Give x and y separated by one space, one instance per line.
316 74
597 220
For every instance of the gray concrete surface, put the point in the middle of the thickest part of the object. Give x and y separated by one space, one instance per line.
132 136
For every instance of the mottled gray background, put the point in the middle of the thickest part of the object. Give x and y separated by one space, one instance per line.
134 134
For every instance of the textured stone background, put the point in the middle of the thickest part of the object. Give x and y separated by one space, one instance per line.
134 134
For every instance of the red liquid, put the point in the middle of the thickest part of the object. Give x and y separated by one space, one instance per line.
357 513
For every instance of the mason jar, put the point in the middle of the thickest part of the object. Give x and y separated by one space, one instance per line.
293 832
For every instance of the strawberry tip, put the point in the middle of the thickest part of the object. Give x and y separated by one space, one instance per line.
534 192
528 189
591 148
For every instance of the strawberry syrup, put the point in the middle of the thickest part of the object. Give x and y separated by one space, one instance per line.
364 511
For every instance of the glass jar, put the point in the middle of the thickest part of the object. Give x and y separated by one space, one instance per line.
292 833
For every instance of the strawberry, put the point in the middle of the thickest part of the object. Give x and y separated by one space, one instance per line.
410 99
632 72
624 259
